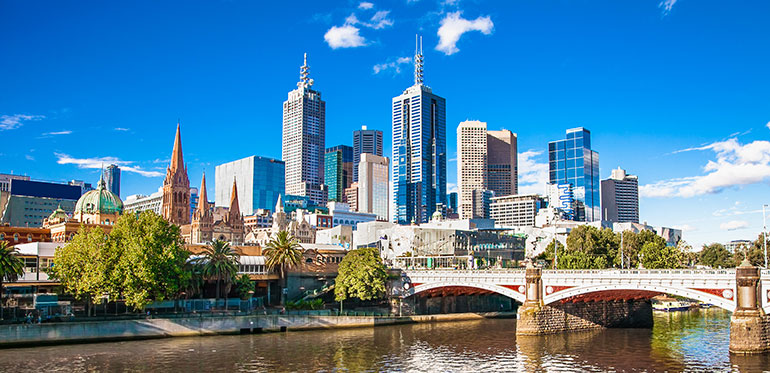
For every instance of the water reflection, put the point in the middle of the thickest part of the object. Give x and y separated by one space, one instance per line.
696 340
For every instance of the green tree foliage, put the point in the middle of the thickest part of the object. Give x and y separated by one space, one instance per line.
244 286
86 266
152 258
142 260
220 264
656 255
283 252
361 275
756 252
716 256
11 268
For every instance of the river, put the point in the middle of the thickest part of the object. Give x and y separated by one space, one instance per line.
684 341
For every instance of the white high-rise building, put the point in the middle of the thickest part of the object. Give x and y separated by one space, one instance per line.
373 185
304 131
472 179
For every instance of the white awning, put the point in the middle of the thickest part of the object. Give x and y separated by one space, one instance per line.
251 260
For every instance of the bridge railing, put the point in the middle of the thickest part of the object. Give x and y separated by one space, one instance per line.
559 272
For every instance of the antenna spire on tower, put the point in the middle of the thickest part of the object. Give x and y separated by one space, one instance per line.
418 60
304 74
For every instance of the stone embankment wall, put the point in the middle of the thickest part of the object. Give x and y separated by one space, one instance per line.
564 317
19 335
750 335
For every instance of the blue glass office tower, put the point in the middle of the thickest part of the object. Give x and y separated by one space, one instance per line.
571 161
419 152
260 180
338 172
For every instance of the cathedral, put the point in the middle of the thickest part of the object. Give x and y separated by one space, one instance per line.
202 228
297 226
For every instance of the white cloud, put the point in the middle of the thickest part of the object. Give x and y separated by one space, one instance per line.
29 157
685 228
9 122
66 132
395 66
99 162
121 129
666 5
768 125
734 225
533 175
380 20
345 36
736 164
365 5
453 26
451 188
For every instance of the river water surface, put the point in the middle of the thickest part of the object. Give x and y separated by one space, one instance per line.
682 341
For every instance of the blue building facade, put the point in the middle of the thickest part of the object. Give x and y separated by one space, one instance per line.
260 180
419 155
572 162
338 171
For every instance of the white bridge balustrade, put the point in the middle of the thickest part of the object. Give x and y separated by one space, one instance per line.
717 287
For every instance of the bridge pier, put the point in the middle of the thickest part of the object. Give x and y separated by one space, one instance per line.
749 326
536 318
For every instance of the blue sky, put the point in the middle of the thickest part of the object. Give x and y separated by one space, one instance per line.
675 92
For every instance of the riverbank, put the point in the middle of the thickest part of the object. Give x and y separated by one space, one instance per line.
23 335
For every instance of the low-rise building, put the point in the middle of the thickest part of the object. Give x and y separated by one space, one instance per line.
516 210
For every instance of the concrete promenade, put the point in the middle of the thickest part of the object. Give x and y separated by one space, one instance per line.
22 335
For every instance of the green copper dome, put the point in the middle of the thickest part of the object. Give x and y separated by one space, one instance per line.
58 213
99 200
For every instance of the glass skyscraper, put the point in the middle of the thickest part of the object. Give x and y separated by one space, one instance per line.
419 151
260 180
365 141
338 171
571 161
112 178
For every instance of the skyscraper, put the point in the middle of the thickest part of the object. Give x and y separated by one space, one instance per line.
112 178
502 163
338 173
365 141
419 151
486 165
620 197
260 181
572 161
472 179
373 185
304 129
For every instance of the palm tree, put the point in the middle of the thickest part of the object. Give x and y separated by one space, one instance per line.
221 263
11 268
283 252
195 266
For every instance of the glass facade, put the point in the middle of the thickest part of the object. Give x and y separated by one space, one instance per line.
365 141
419 155
338 170
571 161
260 181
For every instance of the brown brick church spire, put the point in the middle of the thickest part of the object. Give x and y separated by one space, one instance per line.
235 209
176 186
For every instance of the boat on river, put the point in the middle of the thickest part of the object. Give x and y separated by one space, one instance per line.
671 305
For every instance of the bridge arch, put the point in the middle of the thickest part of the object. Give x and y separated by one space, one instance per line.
684 292
478 285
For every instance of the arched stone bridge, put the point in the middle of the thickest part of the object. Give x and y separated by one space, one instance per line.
745 291
717 287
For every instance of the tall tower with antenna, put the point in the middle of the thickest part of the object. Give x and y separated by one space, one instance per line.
304 137
419 150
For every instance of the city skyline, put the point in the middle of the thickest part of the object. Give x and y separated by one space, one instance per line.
681 133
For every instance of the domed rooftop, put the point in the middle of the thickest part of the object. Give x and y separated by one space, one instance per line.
99 200
59 213
437 216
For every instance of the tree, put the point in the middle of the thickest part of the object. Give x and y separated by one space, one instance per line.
244 286
361 275
655 254
85 266
194 266
716 256
756 252
152 259
283 252
221 264
11 268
